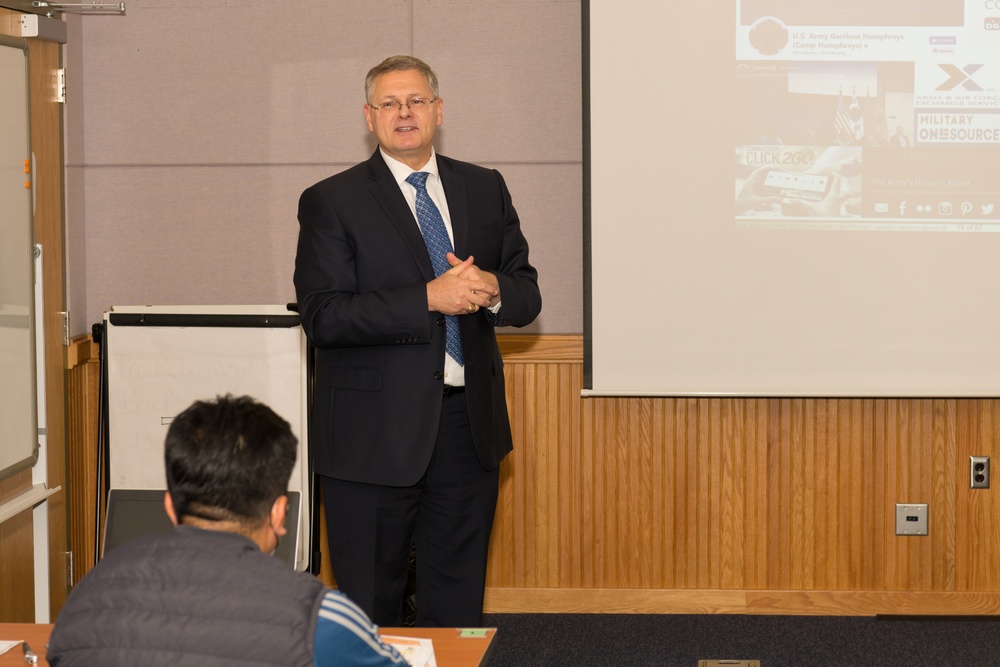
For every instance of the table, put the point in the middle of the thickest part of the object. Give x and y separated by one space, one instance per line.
451 649
35 635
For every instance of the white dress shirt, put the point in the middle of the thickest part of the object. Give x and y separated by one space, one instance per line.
454 372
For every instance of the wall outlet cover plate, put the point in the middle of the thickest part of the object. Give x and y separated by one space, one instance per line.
911 518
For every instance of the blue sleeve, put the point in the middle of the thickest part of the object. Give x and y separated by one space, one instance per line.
345 637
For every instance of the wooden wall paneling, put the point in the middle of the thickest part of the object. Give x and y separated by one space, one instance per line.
986 557
804 481
757 540
778 497
616 508
794 498
990 547
954 482
940 473
571 523
734 505
590 475
659 521
559 473
17 571
976 529
636 451
732 546
848 517
685 518
701 499
973 534
882 537
84 378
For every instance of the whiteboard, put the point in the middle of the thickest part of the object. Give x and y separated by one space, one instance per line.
160 359
18 427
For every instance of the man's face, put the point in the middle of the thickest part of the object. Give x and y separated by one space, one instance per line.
403 133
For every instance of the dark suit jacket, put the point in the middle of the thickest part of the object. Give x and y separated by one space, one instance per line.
360 280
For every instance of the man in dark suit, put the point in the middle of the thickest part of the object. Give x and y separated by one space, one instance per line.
900 140
410 420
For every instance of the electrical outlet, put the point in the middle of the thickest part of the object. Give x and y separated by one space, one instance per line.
979 472
911 518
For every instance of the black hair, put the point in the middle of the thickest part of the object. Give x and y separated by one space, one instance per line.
228 460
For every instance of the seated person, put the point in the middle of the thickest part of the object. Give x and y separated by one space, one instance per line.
209 593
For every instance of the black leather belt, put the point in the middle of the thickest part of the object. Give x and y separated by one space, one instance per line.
451 391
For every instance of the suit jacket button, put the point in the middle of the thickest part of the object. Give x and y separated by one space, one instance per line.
438 375
440 322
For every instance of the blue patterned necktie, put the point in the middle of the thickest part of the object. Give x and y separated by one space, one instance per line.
438 245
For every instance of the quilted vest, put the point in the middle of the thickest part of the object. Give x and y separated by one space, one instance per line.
191 597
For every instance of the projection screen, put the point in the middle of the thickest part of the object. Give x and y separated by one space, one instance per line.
792 198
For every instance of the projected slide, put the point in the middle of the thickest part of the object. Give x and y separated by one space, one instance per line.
792 198
865 115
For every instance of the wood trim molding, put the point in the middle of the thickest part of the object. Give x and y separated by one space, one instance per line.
542 349
798 603
82 350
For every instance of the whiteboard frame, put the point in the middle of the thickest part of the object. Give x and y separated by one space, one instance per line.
124 326
26 313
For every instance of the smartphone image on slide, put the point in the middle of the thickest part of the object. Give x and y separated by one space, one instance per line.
794 185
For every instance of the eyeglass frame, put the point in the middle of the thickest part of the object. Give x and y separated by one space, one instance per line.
420 102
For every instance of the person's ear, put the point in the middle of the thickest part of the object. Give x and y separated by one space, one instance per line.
168 505
278 511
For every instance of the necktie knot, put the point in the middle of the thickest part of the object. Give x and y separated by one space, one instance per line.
418 179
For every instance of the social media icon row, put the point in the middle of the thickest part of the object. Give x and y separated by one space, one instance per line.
941 208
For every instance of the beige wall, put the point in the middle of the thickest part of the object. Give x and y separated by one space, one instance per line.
193 127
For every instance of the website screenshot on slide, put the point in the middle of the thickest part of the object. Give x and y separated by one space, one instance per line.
865 115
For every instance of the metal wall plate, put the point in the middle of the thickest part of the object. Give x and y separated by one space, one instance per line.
979 472
911 518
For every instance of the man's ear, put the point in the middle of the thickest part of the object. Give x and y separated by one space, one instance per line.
168 505
278 510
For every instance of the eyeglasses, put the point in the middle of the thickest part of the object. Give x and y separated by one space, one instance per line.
417 104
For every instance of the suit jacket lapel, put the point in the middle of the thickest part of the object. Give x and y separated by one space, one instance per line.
458 205
386 191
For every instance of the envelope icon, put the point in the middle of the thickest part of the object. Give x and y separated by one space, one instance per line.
881 207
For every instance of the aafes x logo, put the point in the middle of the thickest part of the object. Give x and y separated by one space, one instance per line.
959 77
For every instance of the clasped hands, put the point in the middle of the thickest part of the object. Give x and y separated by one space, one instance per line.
463 289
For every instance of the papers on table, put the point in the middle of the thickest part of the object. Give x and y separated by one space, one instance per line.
418 652
8 644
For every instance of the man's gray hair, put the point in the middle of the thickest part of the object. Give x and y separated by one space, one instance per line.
400 64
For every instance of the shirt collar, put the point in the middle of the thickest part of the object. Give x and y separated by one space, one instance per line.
400 171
